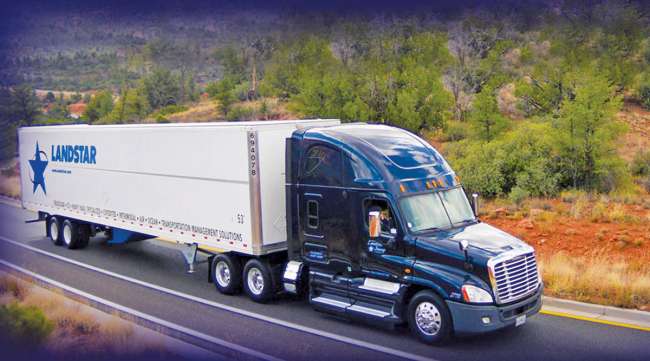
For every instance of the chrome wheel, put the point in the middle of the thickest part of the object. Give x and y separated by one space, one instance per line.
427 318
54 230
255 281
223 274
67 234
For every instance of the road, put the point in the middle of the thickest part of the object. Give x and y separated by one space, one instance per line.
288 328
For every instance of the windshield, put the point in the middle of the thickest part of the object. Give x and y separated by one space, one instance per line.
443 209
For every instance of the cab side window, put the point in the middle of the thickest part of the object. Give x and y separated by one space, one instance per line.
322 166
385 214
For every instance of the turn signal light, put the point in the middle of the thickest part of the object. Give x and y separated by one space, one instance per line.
402 188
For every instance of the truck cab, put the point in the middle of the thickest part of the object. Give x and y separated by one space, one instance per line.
380 228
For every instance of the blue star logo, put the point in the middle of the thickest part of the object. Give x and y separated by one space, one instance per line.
38 166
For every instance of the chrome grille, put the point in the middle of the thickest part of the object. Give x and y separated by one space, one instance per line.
515 277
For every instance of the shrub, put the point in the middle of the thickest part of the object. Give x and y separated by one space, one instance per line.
241 112
599 212
518 195
26 325
455 131
171 109
479 166
641 163
9 285
644 95
571 195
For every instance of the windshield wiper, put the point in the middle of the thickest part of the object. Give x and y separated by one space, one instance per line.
429 229
465 221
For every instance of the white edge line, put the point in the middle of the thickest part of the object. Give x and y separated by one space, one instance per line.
138 314
250 314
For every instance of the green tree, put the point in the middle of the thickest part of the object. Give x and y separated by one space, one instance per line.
485 117
161 88
99 106
223 91
586 129
131 107
25 106
50 98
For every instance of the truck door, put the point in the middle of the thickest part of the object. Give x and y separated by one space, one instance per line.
384 256
324 208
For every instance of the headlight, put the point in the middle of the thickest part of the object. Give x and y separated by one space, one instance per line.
473 294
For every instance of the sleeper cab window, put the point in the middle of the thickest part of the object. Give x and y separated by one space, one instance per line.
322 166
312 214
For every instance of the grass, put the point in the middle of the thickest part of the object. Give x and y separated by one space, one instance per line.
10 186
76 328
616 283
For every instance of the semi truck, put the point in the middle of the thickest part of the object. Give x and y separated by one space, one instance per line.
366 221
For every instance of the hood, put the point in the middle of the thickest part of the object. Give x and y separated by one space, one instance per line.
487 238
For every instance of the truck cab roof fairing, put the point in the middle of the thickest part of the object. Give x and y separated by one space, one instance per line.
394 153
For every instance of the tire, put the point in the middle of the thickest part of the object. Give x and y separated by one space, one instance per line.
70 234
54 230
258 281
429 319
84 235
226 273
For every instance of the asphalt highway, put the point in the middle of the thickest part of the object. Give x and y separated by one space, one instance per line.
295 331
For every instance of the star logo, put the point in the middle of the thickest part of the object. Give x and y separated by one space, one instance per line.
38 165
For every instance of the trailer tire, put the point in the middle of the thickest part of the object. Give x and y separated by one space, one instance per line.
258 280
70 234
84 235
429 319
226 273
54 230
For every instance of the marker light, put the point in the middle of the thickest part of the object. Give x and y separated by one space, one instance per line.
402 188
473 294
429 186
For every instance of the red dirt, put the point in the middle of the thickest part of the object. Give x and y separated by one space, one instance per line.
628 240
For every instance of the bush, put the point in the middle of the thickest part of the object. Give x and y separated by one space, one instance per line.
644 95
518 195
479 166
641 163
241 112
171 109
27 325
522 158
455 131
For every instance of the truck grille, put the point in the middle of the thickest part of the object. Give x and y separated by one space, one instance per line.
516 277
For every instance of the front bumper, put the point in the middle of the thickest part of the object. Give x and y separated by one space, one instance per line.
467 319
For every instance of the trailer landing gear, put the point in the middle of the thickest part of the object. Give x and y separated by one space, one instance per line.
189 254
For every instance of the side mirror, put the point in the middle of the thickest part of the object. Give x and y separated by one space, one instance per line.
374 224
475 203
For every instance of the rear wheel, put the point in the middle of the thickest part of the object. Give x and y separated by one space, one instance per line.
54 230
84 235
70 234
226 271
428 318
258 280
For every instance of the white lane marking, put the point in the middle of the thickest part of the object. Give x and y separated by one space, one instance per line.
138 314
250 314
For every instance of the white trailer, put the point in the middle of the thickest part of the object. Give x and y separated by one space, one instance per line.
219 186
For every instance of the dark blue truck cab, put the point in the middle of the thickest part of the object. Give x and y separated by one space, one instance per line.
380 228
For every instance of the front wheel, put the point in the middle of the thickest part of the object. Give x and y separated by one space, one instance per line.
428 318
258 280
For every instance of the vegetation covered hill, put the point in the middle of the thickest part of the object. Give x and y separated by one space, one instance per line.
524 95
